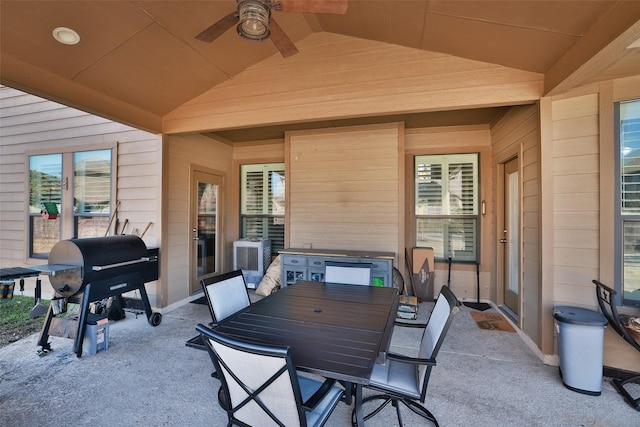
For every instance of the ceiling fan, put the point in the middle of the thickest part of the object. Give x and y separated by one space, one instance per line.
253 20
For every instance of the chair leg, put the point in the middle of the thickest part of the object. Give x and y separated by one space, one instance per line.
420 410
386 400
620 386
413 406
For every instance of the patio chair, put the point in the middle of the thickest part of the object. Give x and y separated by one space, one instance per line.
397 281
226 294
403 379
349 273
260 385
606 301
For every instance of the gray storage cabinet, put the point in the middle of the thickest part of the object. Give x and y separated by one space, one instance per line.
580 348
308 264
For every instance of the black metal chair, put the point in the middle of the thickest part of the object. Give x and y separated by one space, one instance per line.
260 385
397 281
403 379
606 301
226 294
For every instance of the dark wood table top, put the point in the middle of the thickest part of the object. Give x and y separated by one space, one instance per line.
337 331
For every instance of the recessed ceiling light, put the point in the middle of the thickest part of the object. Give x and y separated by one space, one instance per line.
66 35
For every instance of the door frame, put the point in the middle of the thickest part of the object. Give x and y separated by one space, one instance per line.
501 248
219 177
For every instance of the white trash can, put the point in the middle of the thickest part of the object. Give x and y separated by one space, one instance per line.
580 348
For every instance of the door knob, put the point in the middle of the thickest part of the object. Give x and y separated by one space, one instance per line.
503 240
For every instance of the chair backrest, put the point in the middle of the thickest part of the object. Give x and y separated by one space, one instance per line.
445 308
606 296
226 294
349 273
259 382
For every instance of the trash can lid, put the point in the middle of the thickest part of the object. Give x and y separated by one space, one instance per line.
578 316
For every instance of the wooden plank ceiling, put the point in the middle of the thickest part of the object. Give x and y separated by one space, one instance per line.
139 60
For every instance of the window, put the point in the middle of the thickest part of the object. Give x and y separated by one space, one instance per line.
446 205
45 196
52 210
262 202
628 204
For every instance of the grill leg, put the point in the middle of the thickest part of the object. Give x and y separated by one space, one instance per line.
44 333
82 320
154 319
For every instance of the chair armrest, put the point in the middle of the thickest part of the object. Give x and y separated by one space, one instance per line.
312 401
409 359
406 324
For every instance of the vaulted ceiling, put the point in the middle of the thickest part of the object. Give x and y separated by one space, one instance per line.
141 58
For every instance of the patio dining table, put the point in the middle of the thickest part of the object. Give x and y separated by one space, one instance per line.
334 330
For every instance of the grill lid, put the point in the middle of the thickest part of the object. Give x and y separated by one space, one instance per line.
74 263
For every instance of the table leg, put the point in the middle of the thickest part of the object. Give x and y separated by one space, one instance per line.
348 392
358 408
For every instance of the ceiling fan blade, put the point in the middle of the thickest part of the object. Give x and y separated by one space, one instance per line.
281 40
337 7
217 29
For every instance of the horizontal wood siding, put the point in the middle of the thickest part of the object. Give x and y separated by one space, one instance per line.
338 76
576 199
32 125
342 189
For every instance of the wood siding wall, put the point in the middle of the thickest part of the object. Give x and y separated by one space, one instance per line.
583 234
344 188
186 153
517 134
338 76
30 124
575 199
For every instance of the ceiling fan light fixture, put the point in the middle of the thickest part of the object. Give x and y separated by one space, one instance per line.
253 19
66 35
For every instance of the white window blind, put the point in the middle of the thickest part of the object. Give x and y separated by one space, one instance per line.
262 202
446 205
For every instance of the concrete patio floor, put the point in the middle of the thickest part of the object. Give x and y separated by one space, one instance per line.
148 377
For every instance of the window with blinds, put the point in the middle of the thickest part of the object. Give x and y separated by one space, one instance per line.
446 205
628 227
262 202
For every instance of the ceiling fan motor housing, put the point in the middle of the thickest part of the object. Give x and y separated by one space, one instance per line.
253 19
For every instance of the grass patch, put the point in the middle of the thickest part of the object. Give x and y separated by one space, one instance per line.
15 322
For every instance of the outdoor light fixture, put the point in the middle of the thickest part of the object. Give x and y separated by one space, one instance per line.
253 16
66 35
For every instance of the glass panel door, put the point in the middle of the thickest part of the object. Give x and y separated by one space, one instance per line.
205 227
511 237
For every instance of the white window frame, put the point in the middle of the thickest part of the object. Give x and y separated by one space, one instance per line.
627 211
443 239
67 215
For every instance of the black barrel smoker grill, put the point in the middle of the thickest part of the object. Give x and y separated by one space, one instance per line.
83 271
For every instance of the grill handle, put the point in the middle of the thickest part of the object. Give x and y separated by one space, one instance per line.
120 264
